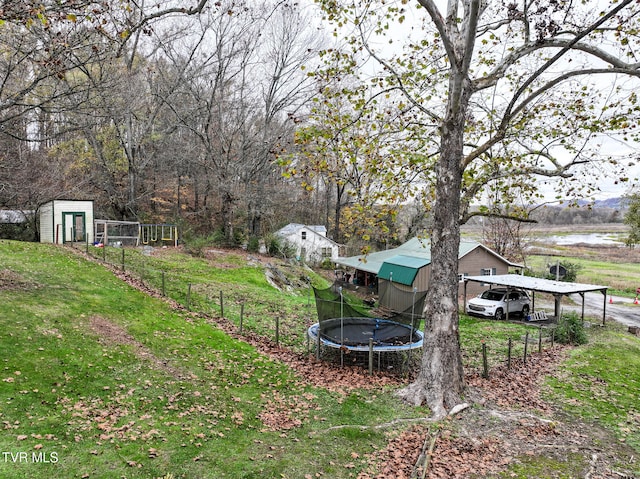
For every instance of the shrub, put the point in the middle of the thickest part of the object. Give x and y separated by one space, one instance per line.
327 263
279 247
253 245
238 237
195 244
571 330
18 232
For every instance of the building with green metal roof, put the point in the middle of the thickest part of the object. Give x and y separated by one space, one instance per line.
408 268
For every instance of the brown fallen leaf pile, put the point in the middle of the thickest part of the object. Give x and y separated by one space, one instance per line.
518 386
459 457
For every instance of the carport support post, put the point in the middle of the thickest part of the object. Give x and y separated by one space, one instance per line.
464 297
533 300
341 328
557 298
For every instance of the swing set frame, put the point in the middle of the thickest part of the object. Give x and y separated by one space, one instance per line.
151 233
132 233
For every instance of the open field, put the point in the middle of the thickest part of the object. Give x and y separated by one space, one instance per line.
104 377
616 266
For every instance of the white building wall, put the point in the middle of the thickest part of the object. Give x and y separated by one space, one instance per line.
47 234
311 243
56 220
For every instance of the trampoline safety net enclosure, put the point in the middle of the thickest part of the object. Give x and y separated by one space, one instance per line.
346 329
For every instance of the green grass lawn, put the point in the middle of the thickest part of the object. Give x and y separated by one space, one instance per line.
621 278
601 383
103 381
237 287
100 380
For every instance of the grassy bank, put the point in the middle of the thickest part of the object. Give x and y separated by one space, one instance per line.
101 380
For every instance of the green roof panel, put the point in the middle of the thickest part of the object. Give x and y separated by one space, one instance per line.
402 269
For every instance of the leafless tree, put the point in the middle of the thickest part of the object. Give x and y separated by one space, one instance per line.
242 85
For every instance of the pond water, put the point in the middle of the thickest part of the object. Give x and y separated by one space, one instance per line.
586 238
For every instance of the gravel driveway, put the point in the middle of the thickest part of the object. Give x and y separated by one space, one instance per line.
622 310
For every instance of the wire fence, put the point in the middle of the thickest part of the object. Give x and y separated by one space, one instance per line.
513 350
195 292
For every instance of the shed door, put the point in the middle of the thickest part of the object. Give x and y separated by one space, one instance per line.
73 227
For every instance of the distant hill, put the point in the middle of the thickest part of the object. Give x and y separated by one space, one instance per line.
611 203
614 203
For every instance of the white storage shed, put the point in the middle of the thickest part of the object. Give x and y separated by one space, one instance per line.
64 221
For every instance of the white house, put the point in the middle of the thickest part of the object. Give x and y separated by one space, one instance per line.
311 242
63 221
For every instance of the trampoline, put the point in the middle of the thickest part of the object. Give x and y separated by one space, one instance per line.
354 333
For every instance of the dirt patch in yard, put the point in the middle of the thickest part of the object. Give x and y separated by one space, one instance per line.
110 333
12 281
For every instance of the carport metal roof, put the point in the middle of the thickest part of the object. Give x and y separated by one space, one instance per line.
557 288
536 284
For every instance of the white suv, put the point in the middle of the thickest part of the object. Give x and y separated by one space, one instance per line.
494 303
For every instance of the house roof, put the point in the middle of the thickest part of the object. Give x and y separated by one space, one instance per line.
536 284
417 248
293 228
372 262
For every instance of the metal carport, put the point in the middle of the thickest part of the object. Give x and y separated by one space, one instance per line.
557 288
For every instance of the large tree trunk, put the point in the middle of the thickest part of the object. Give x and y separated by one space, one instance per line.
226 215
440 382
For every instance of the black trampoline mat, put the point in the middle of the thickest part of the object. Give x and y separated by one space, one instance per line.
358 331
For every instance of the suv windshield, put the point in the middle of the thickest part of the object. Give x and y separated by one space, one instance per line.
492 295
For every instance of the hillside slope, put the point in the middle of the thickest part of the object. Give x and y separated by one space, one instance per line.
103 377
